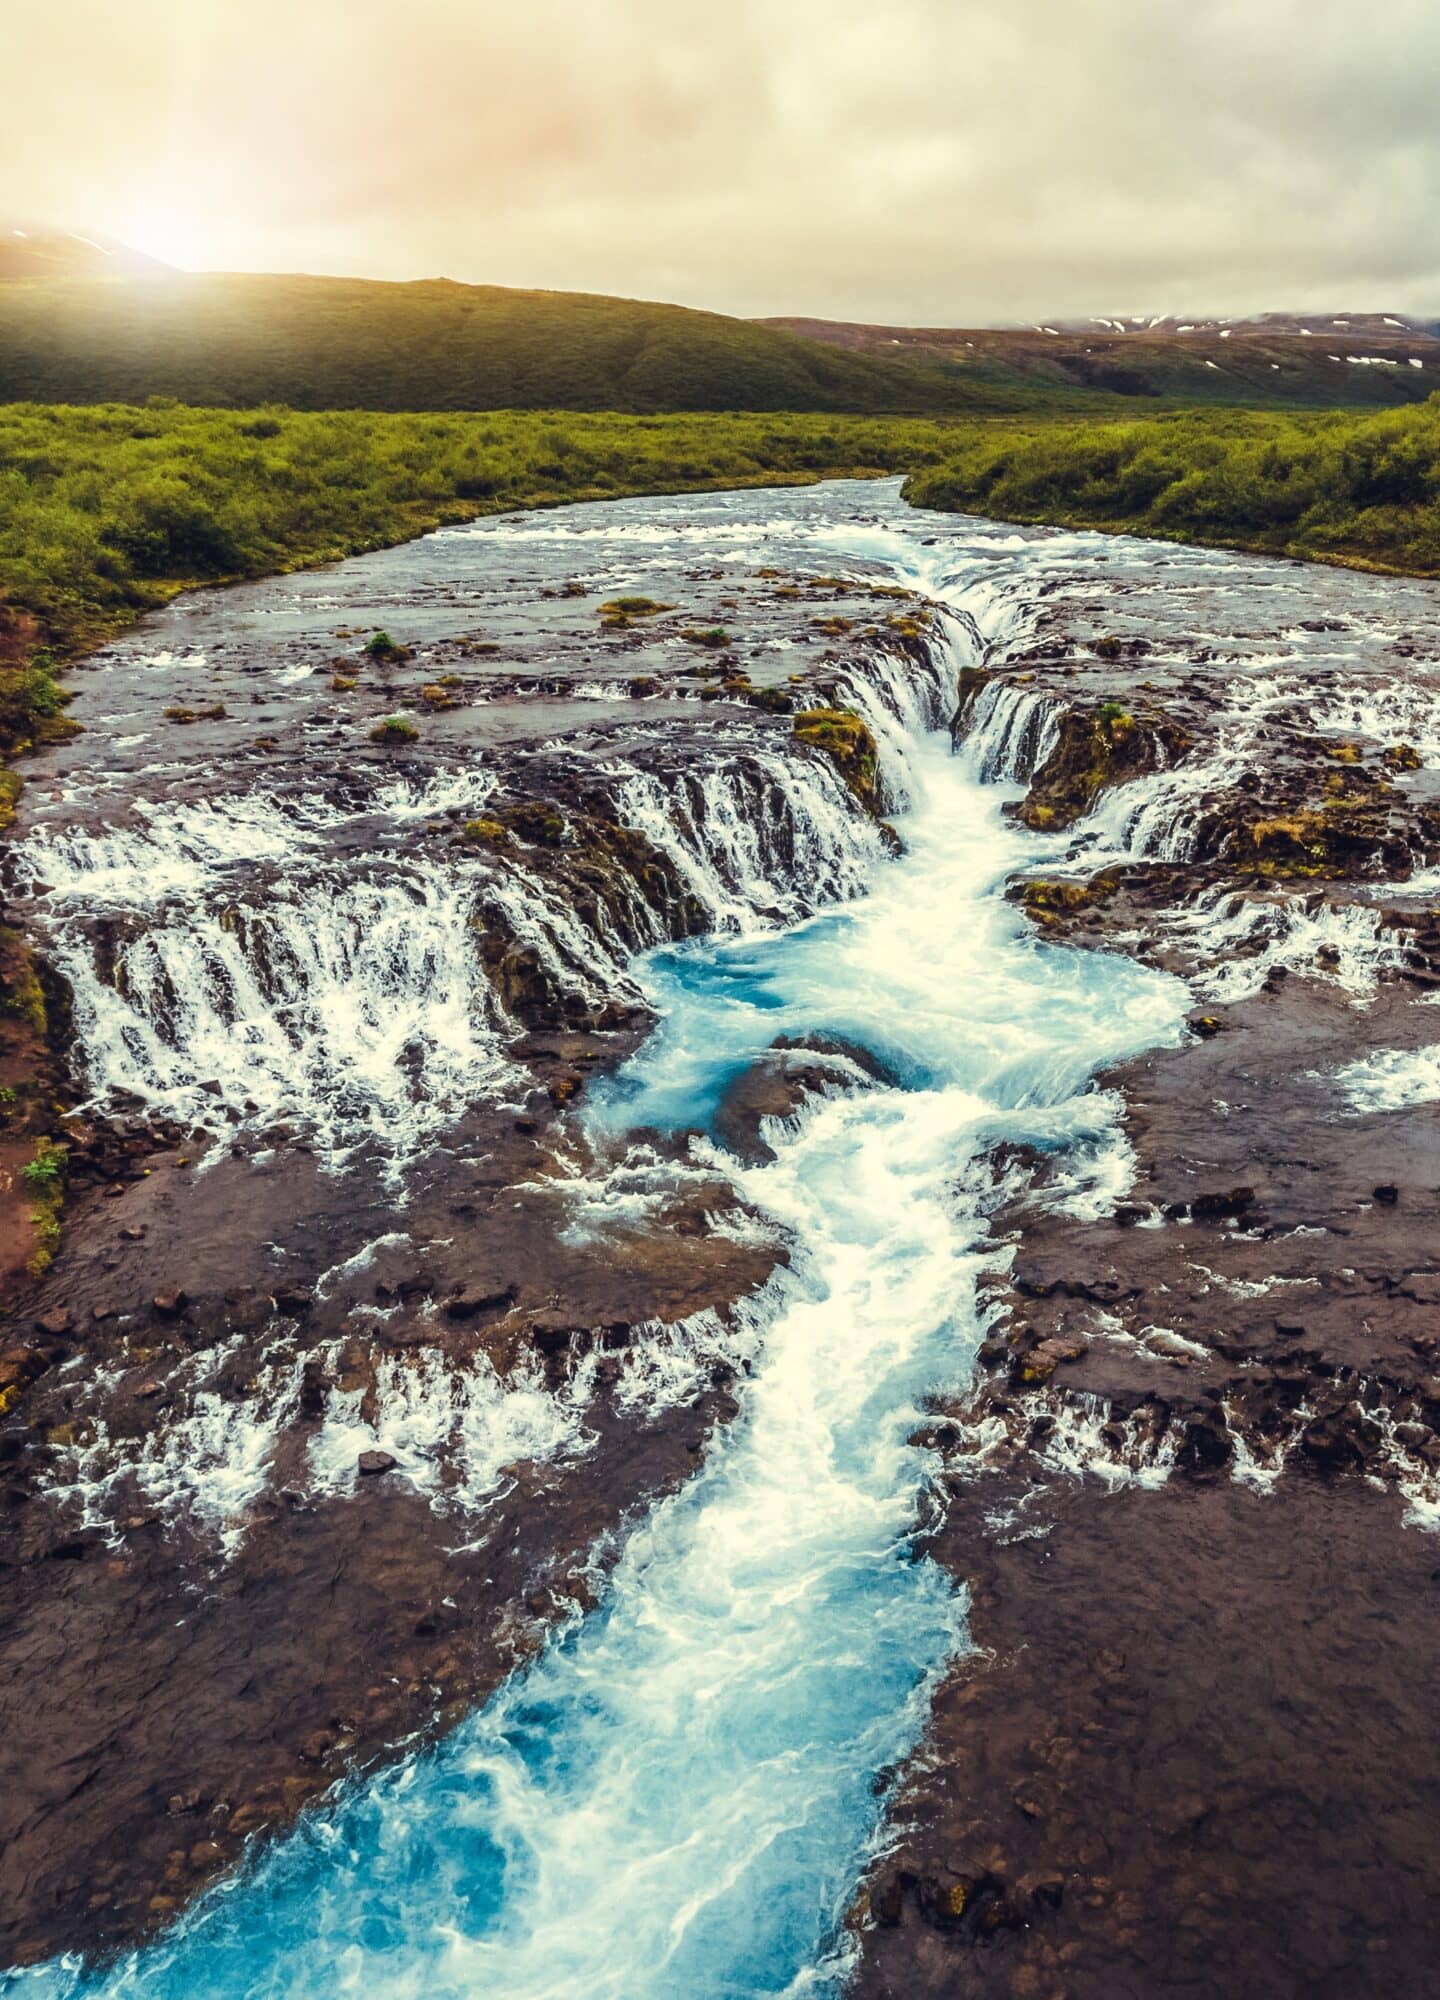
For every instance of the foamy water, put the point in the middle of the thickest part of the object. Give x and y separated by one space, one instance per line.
678 1797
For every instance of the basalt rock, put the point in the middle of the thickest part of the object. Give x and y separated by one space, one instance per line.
1095 749
779 1084
843 737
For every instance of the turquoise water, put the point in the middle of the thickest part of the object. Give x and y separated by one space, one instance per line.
676 1800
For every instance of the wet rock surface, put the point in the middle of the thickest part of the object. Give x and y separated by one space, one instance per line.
161 1714
361 1350
1195 1755
366 1340
1194 1488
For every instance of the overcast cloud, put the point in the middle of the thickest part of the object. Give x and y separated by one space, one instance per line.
920 161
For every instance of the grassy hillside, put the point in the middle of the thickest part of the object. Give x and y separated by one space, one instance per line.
1258 367
1339 488
339 343
106 511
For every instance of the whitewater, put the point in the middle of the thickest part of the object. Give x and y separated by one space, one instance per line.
680 1795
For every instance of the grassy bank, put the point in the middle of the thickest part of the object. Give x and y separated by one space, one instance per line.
107 511
1336 487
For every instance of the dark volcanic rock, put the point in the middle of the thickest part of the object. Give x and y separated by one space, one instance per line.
779 1084
1158 1775
1189 1489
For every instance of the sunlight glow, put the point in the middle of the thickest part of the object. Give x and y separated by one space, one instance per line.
163 229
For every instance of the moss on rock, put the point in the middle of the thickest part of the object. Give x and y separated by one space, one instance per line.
845 739
44 1179
1095 749
486 832
395 729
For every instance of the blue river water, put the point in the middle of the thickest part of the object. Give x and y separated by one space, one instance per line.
676 1800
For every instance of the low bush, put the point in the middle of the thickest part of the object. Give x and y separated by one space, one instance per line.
1334 487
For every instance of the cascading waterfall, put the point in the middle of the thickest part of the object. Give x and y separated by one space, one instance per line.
353 1002
1011 731
358 1007
676 1799
1155 818
761 839
901 701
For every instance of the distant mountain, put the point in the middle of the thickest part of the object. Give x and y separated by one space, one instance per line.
32 251
1309 326
1322 362
349 343
343 343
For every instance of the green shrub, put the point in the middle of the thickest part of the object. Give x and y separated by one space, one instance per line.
44 1179
1335 486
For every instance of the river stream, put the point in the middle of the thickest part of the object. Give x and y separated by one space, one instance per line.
677 1798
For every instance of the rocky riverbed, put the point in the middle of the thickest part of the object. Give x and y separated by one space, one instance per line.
1194 1487
384 1314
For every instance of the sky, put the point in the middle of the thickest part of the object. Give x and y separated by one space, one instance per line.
932 162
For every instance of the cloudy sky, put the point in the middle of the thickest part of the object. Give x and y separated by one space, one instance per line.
920 161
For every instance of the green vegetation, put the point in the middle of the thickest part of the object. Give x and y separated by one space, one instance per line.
1269 368
32 706
845 739
395 729
315 343
345 343
380 646
486 832
22 997
634 607
1363 490
44 1178
107 511
46 1172
214 712
620 613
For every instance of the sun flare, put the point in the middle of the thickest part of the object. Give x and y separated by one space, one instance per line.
166 230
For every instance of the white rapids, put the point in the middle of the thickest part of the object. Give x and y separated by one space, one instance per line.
676 1800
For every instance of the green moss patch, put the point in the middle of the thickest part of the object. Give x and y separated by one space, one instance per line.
845 738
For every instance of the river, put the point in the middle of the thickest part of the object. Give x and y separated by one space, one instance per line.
680 1794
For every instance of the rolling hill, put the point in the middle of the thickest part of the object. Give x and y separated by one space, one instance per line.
341 343
1275 359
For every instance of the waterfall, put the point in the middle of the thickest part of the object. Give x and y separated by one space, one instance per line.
242 977
356 1007
1009 731
759 840
900 700
676 1799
